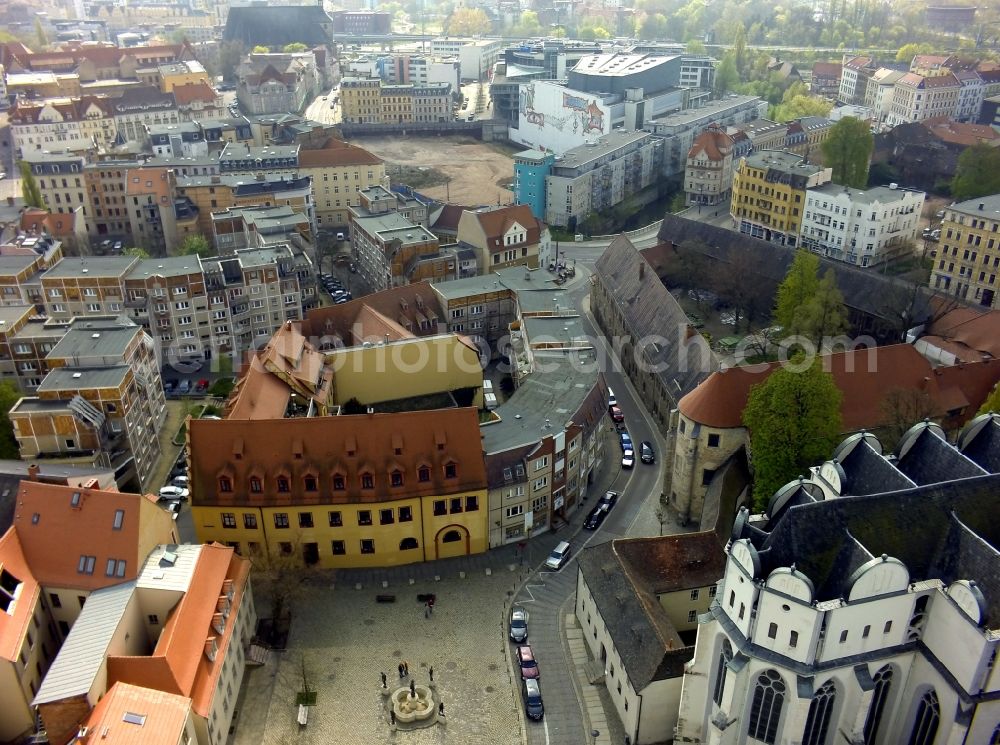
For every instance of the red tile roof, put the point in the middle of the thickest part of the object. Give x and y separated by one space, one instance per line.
165 716
864 377
496 222
973 333
715 143
56 224
827 70
959 133
14 622
337 153
189 92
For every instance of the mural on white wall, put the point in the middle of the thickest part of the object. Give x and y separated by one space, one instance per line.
578 114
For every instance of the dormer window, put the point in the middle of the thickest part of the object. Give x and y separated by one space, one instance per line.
338 482
256 486
423 474
310 483
283 484
225 484
367 481
451 470
396 478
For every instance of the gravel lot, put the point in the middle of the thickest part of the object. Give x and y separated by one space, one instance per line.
476 169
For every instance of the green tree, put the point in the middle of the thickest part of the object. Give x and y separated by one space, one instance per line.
799 285
977 173
695 46
907 52
797 103
9 395
794 421
195 244
470 22
529 25
726 75
823 314
139 253
295 46
261 49
992 402
40 38
848 151
29 187
740 49
230 54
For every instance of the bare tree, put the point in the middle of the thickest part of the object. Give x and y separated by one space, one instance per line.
901 409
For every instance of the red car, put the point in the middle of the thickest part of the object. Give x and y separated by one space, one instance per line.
202 385
526 661
617 415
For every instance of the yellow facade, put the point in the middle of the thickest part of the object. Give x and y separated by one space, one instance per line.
967 264
336 189
402 369
334 536
775 205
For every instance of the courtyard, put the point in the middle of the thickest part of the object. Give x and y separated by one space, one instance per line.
344 638
475 171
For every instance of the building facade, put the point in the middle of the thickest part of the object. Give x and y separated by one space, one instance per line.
504 237
370 101
968 259
708 174
916 98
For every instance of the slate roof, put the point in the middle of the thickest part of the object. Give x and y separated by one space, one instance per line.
867 292
278 25
683 358
869 472
981 441
925 457
625 576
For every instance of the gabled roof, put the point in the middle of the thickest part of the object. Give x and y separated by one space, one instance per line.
625 577
971 334
407 305
961 133
826 70
682 357
164 716
714 143
446 217
336 153
190 92
178 663
56 224
15 620
81 522
495 222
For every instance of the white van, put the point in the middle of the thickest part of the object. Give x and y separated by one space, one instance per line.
490 401
612 401
487 385
559 556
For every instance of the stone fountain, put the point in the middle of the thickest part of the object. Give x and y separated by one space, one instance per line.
414 707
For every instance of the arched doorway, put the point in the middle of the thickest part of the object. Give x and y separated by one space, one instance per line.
452 540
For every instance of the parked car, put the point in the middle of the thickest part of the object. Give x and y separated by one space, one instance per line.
184 387
519 625
612 401
341 236
3 175
180 481
626 441
596 517
526 661
646 454
341 300
173 493
201 386
628 459
168 387
617 415
559 556
610 498
531 692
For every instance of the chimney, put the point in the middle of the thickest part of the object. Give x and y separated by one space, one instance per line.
210 648
981 205
33 472
222 604
219 623
227 588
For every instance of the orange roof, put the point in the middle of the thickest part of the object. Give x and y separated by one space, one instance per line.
864 377
14 622
970 333
164 716
715 143
179 663
496 222
345 445
56 224
46 516
408 305
189 92
959 133
337 153
158 181
258 395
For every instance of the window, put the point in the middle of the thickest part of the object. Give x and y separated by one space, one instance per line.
772 631
405 514
880 694
335 519
843 636
452 536
450 471
305 519
338 482
367 546
765 709
154 620
282 484
119 519
820 711
695 594
793 638
396 478
54 600
440 508
925 724
515 511
338 548
423 474
285 548
386 517
725 655
706 476
281 519
256 487
713 441
865 632
407 544
692 616
310 483
471 504
249 521
367 481
887 628
115 568
228 520
86 564
456 505
364 517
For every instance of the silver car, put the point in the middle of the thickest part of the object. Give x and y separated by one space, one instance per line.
519 625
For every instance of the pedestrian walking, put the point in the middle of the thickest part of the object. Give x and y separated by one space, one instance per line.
413 688
406 668
400 668
392 717
427 610
384 681
430 604
431 671
441 709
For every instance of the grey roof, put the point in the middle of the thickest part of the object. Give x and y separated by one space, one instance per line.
36 328
990 207
90 339
559 329
868 472
651 312
278 25
984 446
877 194
393 226
72 378
781 160
579 156
11 313
169 266
714 108
12 264
502 467
927 458
561 388
766 264
250 257
169 567
96 266
537 284
83 653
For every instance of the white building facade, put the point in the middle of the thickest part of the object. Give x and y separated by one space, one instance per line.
861 227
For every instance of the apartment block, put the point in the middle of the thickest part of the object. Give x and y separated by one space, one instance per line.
140 108
880 90
102 398
210 194
370 101
339 171
385 246
25 342
179 140
272 83
60 179
476 56
600 175
504 237
916 98
78 287
769 194
103 537
708 174
854 75
78 125
968 258
862 227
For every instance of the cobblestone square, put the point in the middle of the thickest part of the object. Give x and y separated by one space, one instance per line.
347 639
